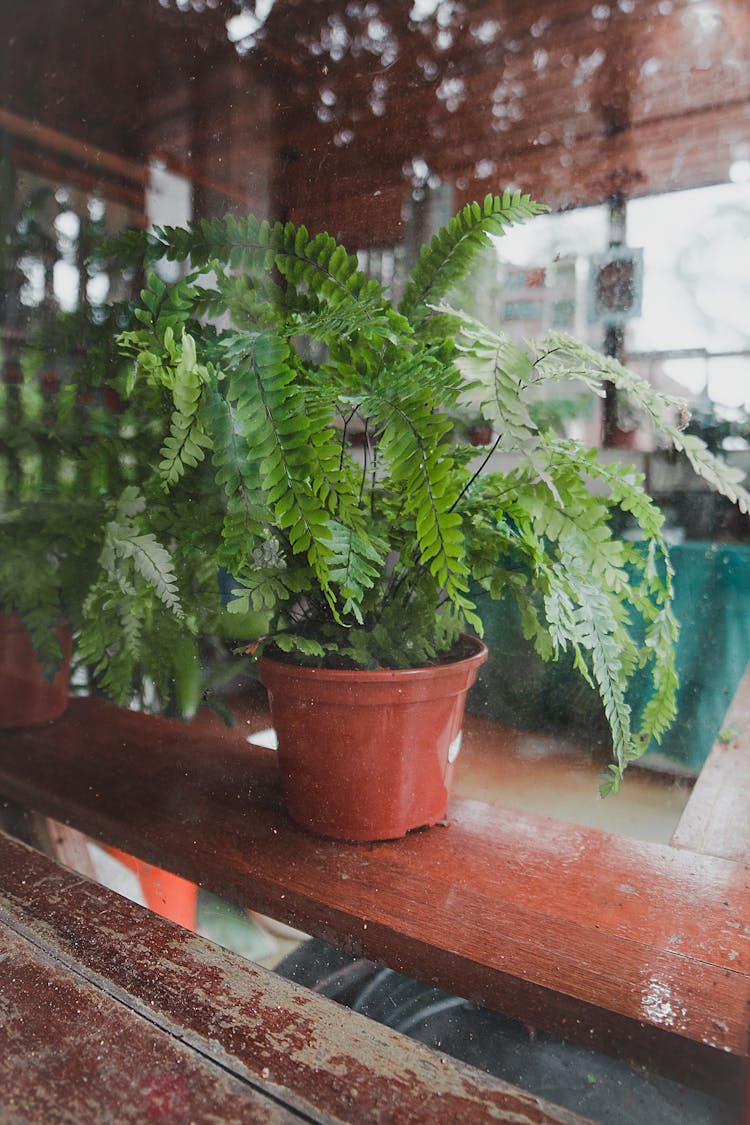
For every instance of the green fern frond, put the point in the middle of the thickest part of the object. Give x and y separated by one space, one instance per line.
564 513
660 710
564 357
130 248
722 477
623 484
154 563
559 534
250 302
256 247
560 357
153 295
454 248
500 374
183 448
126 639
270 409
419 469
237 474
355 567
107 650
298 644
167 309
39 620
262 588
333 324
128 549
583 621
187 440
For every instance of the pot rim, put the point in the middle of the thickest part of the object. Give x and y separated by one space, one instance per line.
379 675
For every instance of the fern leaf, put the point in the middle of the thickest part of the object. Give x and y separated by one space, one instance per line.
187 441
420 469
724 478
125 544
355 567
270 411
247 513
256 247
154 563
500 373
558 350
453 249
586 623
268 586
297 643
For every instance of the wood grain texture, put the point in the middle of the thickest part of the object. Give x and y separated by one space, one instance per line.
617 941
69 1054
115 1014
716 820
571 102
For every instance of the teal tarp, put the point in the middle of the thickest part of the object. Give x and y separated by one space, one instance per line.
712 604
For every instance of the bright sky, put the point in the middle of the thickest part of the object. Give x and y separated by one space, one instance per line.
696 275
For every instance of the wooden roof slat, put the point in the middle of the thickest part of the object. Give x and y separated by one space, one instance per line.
171 81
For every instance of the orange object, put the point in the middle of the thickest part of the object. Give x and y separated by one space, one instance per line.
368 755
26 696
166 894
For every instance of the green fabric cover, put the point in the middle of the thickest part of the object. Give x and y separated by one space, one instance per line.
712 604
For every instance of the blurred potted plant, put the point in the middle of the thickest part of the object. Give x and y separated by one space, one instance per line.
35 637
75 554
46 529
81 572
362 557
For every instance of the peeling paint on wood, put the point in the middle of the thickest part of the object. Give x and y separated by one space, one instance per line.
68 1052
159 1023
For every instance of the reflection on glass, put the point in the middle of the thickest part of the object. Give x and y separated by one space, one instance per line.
376 120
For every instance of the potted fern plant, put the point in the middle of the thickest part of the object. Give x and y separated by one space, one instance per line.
85 579
364 556
81 576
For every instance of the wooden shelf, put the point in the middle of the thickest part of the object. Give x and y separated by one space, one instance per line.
635 948
111 1013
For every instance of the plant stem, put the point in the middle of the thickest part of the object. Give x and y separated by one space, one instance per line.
346 420
477 474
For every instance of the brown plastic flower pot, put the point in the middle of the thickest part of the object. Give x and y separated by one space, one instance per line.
27 698
368 755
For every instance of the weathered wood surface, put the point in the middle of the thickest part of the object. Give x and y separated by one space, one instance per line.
716 820
565 927
112 1014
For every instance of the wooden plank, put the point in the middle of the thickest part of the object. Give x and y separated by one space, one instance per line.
65 171
67 845
716 819
550 922
136 1012
81 151
68 1053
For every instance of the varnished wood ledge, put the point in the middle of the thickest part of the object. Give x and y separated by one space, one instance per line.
629 946
716 820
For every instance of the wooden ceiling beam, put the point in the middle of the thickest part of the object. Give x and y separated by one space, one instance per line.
455 136
550 105
650 147
88 155
172 82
